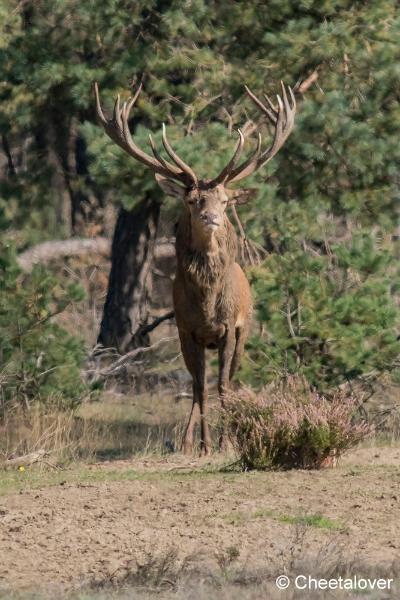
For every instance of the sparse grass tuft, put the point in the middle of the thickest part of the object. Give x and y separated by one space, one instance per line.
224 574
156 571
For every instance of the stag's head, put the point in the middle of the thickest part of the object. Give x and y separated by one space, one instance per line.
205 199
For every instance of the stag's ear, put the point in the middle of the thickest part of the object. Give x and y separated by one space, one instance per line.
170 187
240 196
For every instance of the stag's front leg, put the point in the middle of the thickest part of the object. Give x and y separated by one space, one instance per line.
194 356
200 383
187 445
225 355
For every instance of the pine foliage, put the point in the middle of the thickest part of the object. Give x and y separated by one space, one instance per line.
327 206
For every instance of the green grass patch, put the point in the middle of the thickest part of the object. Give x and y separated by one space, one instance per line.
317 520
13 481
320 521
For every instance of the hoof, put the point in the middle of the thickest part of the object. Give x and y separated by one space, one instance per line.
187 449
223 443
205 451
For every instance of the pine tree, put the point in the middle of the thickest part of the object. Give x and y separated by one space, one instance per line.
327 206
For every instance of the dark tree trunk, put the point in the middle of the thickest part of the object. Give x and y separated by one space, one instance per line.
47 141
126 309
10 170
87 202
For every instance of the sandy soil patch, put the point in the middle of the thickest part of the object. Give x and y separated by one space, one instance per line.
86 526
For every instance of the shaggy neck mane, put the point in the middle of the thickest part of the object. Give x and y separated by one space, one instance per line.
206 267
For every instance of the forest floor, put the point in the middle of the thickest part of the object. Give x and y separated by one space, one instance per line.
157 524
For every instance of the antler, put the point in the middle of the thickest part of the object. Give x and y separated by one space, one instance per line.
117 128
282 119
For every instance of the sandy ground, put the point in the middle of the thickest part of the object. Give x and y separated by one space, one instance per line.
86 529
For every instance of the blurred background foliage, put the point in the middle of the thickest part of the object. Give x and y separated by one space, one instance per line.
327 208
40 362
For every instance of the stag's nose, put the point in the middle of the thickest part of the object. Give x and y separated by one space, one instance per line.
209 218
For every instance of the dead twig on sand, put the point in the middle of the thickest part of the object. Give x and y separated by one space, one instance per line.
40 456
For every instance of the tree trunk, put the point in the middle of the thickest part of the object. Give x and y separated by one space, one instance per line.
47 140
126 309
10 169
86 200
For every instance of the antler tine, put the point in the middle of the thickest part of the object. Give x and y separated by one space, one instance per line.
117 112
290 111
283 121
224 174
278 129
135 97
274 112
99 111
284 96
260 105
177 160
293 98
117 128
247 166
160 158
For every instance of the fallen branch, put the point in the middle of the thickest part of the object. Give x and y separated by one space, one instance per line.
27 459
46 251
129 357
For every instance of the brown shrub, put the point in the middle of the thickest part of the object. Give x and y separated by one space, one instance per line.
288 425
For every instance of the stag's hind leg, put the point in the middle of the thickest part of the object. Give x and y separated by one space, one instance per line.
226 354
194 356
241 336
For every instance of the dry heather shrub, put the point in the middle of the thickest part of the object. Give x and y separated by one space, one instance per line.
288 425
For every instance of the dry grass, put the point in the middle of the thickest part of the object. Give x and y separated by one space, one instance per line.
116 426
58 433
220 574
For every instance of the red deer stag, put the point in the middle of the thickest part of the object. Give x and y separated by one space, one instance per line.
211 294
